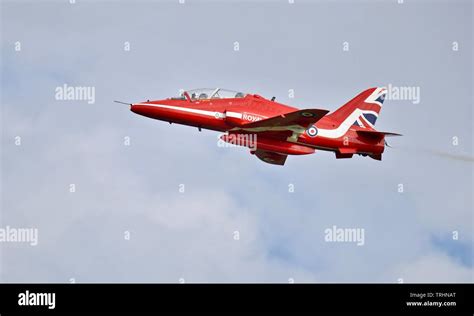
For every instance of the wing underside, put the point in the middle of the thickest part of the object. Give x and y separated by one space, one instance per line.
285 127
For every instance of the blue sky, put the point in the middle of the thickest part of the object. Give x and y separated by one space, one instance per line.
190 235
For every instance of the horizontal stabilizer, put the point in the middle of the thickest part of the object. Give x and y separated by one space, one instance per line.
375 134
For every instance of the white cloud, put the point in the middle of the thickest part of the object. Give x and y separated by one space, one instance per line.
433 268
190 234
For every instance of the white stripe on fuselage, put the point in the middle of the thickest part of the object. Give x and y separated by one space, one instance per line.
196 111
234 114
191 110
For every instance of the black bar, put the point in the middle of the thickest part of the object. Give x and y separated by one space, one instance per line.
225 298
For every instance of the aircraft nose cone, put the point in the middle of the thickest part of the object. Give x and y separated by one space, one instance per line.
137 109
143 109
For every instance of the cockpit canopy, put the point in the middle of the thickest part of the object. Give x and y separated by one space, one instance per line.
218 93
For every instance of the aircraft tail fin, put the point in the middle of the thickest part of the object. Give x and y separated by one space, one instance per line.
363 110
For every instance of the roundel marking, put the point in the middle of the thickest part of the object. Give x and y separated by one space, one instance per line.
219 115
312 131
307 114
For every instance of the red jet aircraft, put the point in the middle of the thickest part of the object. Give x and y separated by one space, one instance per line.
273 130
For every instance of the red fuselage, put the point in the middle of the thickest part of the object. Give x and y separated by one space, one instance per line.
231 115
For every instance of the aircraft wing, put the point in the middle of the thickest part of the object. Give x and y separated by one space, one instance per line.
271 157
285 126
297 121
